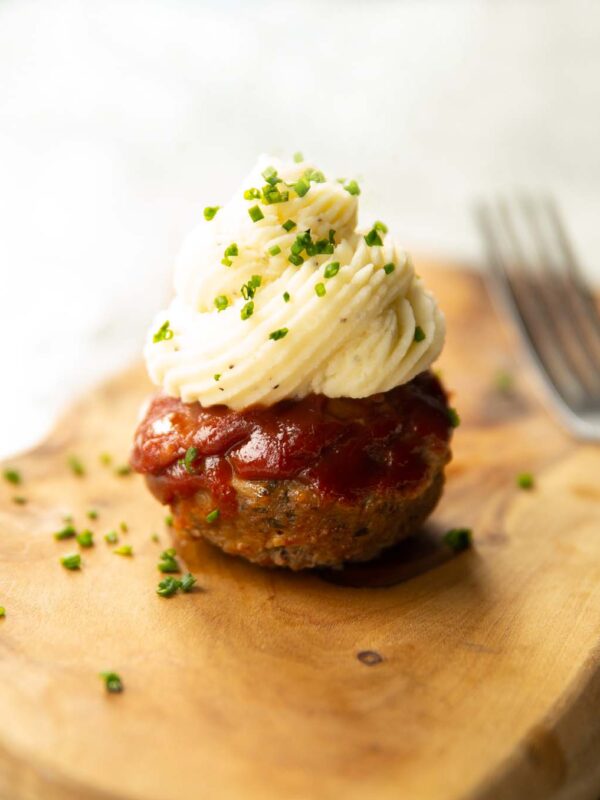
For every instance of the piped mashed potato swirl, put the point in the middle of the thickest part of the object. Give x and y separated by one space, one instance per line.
286 330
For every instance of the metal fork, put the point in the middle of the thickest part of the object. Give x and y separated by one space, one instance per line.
537 276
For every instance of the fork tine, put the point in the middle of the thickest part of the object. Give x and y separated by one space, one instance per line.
579 340
519 292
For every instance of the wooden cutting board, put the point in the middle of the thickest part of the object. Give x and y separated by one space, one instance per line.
486 678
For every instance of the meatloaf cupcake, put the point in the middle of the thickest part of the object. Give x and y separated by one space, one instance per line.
298 423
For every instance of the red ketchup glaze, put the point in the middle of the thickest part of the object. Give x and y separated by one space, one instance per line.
340 447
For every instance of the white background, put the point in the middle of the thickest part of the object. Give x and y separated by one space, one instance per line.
120 120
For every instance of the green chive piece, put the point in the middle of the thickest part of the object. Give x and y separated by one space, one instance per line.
105 459
373 239
248 290
213 516
71 562
301 187
188 460
525 480
278 334
453 417
295 259
389 268
314 176
298 157
155 537
289 225
123 550
76 466
458 539
271 195
168 587
67 532
286 297
124 527
232 250
247 310
255 214
332 269
217 376
210 212
320 290
380 226
112 682
251 194
85 539
270 175
168 562
352 188
419 334
112 537
186 584
169 521
221 302
2 611
163 334
12 476
92 514
123 470
19 499
275 250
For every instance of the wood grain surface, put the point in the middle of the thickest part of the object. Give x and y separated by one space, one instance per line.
482 673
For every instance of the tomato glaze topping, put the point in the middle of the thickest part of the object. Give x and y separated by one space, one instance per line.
340 447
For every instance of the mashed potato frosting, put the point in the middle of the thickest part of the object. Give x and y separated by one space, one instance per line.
278 295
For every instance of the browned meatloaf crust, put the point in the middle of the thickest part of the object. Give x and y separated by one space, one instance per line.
306 483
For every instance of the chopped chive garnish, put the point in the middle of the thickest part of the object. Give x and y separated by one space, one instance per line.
12 476
112 682
289 225
332 269
19 499
295 259
188 460
123 470
71 562
298 157
458 539
85 539
76 466
453 417
380 226
255 214
105 459
112 537
168 521
389 268
525 480
301 187
155 537
251 194
210 212
248 290
217 376
373 239
213 516
124 527
314 176
68 532
123 550
186 584
286 297
271 195
278 334
92 514
163 334
221 302
419 334
168 587
320 290
168 562
270 175
275 250
2 611
352 187
247 310
232 250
